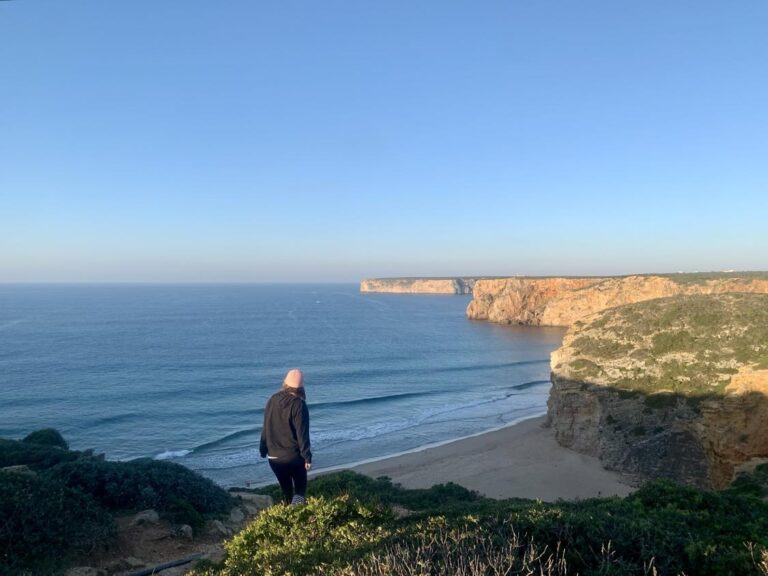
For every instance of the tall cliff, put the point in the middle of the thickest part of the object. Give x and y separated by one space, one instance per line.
419 285
670 388
562 301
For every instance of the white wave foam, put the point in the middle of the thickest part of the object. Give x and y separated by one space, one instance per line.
328 436
247 457
171 454
513 422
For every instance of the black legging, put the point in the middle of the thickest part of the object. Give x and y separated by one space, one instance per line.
292 476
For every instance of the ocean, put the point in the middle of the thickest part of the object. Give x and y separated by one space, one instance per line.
182 372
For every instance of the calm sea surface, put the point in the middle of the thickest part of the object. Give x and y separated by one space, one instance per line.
183 372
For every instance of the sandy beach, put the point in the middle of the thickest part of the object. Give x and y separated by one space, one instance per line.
522 460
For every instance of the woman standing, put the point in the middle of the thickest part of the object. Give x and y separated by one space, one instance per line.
285 437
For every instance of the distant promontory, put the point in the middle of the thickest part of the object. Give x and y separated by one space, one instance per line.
455 285
562 300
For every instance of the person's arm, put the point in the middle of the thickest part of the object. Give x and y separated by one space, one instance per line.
263 441
302 432
263 444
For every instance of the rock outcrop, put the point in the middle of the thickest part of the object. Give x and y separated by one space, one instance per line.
563 301
520 300
671 388
419 285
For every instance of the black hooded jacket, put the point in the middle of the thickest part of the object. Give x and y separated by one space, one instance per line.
285 434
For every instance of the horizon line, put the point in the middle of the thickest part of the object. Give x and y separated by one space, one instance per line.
358 281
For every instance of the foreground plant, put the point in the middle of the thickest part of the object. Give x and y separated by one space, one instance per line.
316 538
438 547
661 530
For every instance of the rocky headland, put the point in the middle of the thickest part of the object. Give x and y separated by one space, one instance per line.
562 301
419 285
669 388
659 376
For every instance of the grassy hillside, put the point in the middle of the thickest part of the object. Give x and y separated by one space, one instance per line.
56 504
703 277
354 525
689 345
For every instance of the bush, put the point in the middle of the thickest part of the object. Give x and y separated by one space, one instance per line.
663 527
36 456
43 522
143 483
381 490
754 483
47 437
465 548
684 529
118 486
64 508
180 511
309 539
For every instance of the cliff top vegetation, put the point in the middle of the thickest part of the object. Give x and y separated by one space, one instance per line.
688 345
348 528
702 277
58 504
354 525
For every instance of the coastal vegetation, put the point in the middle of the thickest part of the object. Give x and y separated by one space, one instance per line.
60 504
354 525
673 387
704 277
686 345
57 504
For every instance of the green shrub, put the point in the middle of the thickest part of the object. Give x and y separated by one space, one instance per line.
42 523
586 368
683 529
467 547
754 483
660 400
142 483
180 511
663 527
310 539
47 437
36 456
63 509
381 491
691 345
600 348
673 341
133 485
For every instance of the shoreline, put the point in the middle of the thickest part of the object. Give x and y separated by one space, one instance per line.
519 460
370 461
425 447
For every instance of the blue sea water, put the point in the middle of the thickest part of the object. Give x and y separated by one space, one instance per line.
182 372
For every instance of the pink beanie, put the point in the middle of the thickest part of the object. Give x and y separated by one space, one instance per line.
294 378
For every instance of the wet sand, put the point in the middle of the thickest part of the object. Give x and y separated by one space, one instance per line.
522 460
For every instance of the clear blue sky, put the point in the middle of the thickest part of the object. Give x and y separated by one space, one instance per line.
186 140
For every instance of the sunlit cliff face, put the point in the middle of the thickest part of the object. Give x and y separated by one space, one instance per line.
563 301
673 387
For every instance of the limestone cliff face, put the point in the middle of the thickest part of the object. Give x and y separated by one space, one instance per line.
520 300
563 301
418 285
672 388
